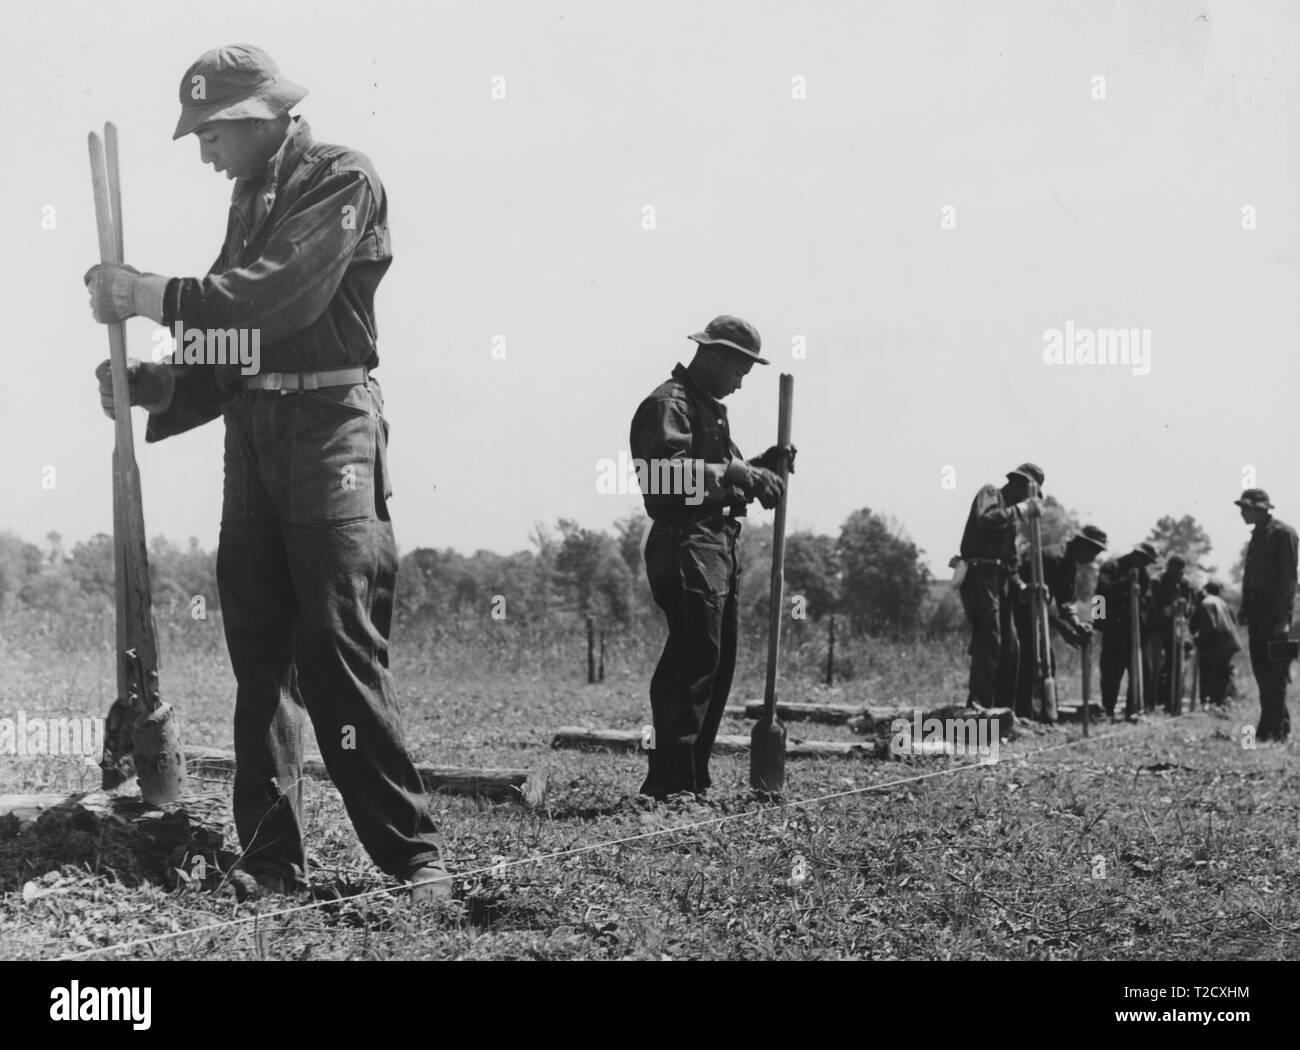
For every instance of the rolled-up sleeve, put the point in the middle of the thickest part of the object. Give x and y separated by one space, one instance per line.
991 515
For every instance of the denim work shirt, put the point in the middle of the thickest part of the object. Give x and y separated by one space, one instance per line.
680 422
305 249
1113 585
1268 581
990 528
1061 576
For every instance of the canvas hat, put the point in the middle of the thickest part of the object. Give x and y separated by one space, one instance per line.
1030 472
1147 550
235 82
1092 536
1254 498
725 330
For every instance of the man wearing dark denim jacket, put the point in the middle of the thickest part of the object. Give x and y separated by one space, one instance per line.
695 487
990 586
306 563
1268 590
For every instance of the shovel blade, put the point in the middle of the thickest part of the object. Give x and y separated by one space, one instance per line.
767 756
159 762
1049 700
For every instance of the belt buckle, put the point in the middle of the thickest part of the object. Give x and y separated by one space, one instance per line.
272 380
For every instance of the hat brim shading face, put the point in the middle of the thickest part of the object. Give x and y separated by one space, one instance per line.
264 102
1088 541
1256 504
705 340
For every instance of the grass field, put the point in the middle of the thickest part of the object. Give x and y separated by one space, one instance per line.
1161 841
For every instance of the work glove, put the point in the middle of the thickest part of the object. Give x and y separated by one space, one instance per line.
764 486
771 459
118 291
1030 508
151 385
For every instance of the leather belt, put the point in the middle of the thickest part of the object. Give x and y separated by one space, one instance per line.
1009 566
292 382
690 515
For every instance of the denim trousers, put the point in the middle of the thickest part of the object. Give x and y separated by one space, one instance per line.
306 567
1027 673
692 570
987 597
1272 677
1116 661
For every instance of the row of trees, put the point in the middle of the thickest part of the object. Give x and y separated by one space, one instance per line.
870 575
55 579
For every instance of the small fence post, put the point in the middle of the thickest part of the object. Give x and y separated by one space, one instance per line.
591 650
600 674
830 654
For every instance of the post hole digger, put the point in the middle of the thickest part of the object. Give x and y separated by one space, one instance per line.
767 739
1044 696
141 737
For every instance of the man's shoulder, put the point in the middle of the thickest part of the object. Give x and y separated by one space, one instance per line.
328 158
671 389
1281 528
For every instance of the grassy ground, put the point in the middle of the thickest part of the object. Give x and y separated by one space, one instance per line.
1165 840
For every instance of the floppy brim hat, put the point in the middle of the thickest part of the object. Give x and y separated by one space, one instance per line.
265 102
1097 542
1030 472
717 331
242 83
1261 500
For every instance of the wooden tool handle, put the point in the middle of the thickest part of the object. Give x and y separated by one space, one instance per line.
107 224
777 594
1135 642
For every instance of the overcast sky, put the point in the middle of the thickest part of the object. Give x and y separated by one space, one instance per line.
820 219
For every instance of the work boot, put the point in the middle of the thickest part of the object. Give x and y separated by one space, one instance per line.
431 883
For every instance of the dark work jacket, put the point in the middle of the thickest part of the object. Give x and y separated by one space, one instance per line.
1268 583
1165 591
1061 575
304 275
681 421
1215 627
990 528
1113 585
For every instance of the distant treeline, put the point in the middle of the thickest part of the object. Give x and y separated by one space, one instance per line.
871 576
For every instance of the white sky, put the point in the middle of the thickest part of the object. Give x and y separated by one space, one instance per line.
815 217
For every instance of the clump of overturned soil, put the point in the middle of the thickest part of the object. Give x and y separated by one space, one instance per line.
119 838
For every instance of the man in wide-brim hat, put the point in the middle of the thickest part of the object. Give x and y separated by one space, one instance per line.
990 586
1112 618
1268 588
306 561
696 489
1060 577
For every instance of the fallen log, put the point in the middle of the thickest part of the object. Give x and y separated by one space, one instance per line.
578 738
516 785
1074 712
828 714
